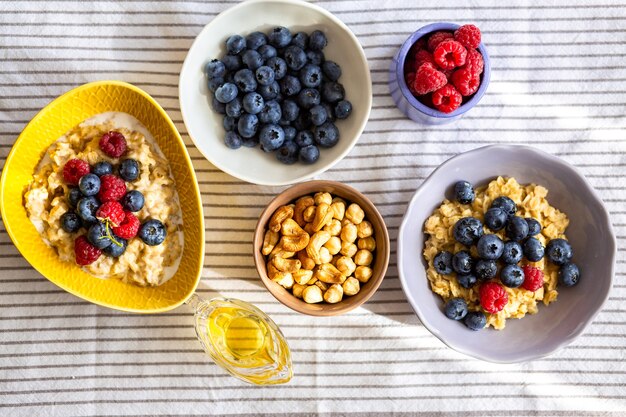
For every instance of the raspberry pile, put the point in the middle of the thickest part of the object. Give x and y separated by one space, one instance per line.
500 264
279 90
100 203
443 69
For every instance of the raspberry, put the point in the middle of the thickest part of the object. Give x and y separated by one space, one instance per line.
465 81
428 79
493 297
533 278
410 82
74 169
420 44
129 227
447 99
450 54
422 56
113 144
85 252
468 36
112 188
436 38
474 61
111 211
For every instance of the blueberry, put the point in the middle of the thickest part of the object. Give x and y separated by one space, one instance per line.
250 142
305 138
330 112
462 262
129 170
215 69
245 80
271 137
280 37
517 229
486 269
311 76
533 249
309 154
253 103
290 133
318 115
218 106
290 86
235 44
456 309
279 66
232 140
512 276
464 192
443 263
89 184
117 248
264 75
133 201
271 113
534 227
466 280
234 108
326 135
229 123
294 57
232 63
333 92
331 70
475 320
290 110
226 93
301 40
288 153
267 52
255 40
506 204
490 247
270 91
70 222
74 196
569 274
102 168
247 125
317 40
496 218
214 83
152 232
468 230
303 121
87 208
343 109
99 235
512 253
559 251
308 98
315 57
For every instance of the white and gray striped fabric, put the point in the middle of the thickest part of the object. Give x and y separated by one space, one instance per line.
558 83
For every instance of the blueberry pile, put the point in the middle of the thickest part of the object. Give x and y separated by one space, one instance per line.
278 89
498 258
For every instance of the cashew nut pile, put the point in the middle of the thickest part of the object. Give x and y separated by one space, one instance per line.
319 249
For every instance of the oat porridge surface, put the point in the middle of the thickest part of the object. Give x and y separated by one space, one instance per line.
46 199
532 202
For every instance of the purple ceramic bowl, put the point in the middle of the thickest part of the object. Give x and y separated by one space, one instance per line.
590 232
411 106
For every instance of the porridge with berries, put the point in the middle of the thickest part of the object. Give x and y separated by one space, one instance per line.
497 251
103 196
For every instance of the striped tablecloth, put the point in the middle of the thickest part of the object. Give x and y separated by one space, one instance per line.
558 83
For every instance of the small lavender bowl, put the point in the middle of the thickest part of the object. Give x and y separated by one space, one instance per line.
411 106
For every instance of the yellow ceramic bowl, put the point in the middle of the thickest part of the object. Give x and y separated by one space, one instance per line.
53 121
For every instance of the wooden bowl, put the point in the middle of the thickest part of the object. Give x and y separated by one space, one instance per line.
381 254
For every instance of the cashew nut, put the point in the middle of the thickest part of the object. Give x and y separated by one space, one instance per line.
350 286
349 233
325 198
282 278
302 276
312 294
315 244
364 229
329 274
334 294
348 249
307 263
367 243
269 241
355 213
280 215
363 257
321 285
363 273
323 216
286 265
302 204
334 227
346 265
333 245
339 209
297 290
309 214
280 251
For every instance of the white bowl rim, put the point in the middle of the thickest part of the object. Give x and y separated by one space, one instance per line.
459 348
322 168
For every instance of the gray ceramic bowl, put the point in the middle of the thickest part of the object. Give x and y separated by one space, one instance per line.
590 233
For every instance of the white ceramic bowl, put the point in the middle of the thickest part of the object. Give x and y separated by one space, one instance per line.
205 126
590 232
